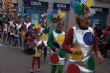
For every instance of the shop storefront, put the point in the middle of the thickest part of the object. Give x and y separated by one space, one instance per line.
65 8
35 9
100 17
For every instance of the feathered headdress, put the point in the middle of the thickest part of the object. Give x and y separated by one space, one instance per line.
82 10
56 15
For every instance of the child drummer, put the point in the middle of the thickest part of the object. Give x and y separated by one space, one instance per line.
81 40
55 41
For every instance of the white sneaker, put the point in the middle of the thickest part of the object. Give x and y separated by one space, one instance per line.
38 70
31 71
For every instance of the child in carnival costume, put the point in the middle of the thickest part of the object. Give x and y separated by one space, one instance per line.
15 34
29 41
38 47
80 41
45 31
5 30
25 27
9 23
20 32
18 37
0 29
55 41
29 44
11 31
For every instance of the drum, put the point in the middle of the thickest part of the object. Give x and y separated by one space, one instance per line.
54 59
85 66
72 68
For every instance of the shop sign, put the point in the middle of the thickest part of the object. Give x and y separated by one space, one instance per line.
101 9
61 6
33 3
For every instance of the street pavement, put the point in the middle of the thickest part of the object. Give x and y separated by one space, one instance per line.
13 60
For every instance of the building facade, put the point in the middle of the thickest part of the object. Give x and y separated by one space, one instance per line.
36 9
103 15
105 4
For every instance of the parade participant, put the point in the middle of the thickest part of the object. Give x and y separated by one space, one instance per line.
0 28
29 44
38 46
11 30
27 23
9 23
55 41
4 35
20 31
106 41
98 30
18 36
45 31
80 41
25 27
15 34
